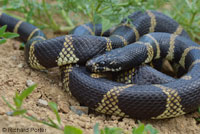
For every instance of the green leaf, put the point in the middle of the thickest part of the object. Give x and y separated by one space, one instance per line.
18 103
139 130
72 130
46 123
21 47
17 100
199 109
19 112
2 41
53 124
102 131
32 118
2 30
97 19
96 128
150 129
197 119
5 2
9 35
113 130
26 92
106 24
9 105
54 107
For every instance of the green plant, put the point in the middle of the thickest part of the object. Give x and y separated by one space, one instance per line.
186 13
42 14
107 12
38 13
107 130
64 15
17 109
198 118
142 129
6 35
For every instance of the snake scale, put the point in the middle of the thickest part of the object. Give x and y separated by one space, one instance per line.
141 91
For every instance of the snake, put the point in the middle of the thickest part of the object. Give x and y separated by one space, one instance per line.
142 38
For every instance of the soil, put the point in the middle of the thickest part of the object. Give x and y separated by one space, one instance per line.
14 74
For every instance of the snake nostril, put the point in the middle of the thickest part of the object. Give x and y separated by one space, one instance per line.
89 64
102 62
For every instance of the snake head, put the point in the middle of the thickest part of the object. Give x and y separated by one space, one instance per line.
118 59
104 63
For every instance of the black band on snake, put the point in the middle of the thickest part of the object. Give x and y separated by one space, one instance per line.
147 93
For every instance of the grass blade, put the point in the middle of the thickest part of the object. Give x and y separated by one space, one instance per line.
19 112
26 92
2 41
96 128
150 129
53 123
139 130
54 107
2 30
9 105
72 130
114 130
9 35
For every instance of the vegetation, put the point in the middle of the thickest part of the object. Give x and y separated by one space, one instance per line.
70 13
17 110
198 118
6 35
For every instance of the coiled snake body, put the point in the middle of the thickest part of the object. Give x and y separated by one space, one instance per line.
160 97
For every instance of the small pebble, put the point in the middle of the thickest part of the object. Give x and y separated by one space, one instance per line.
42 102
29 83
21 65
79 110
13 57
10 113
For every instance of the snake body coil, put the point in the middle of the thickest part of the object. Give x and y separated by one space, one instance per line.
166 98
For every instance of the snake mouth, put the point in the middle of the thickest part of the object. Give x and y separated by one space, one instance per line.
103 63
96 68
93 67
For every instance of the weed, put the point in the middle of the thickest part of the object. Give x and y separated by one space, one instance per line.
70 13
6 35
142 129
198 118
106 12
17 110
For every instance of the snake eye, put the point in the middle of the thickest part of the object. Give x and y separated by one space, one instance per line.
103 63
97 63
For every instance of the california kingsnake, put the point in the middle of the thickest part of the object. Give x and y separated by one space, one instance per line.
170 99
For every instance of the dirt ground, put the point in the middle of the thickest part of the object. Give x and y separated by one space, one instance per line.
14 74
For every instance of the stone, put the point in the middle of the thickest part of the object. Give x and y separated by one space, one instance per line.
42 102
79 110
29 83
21 65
